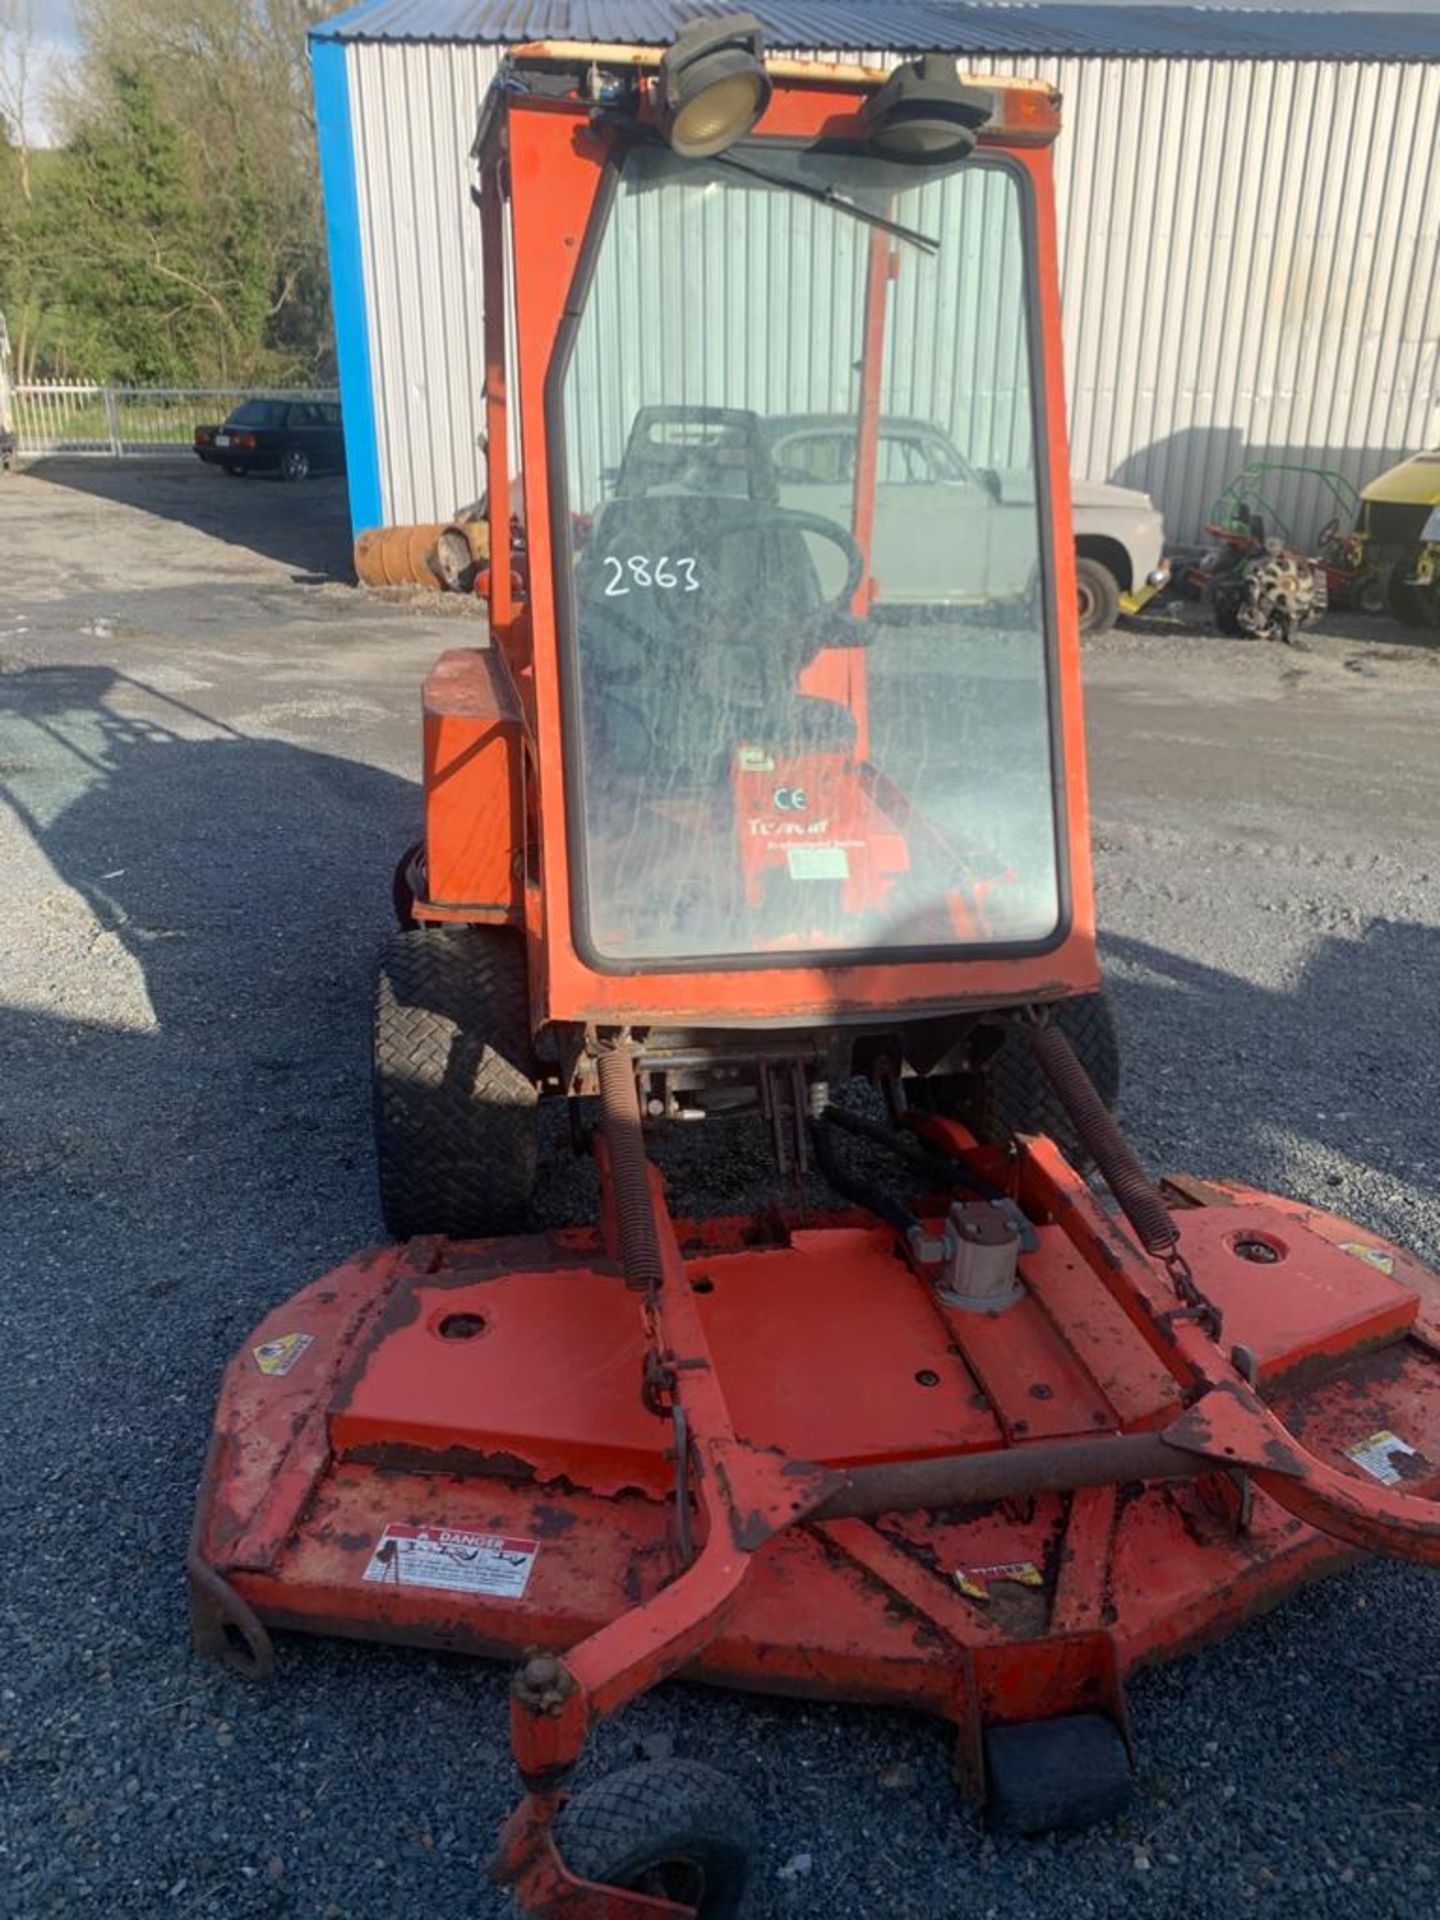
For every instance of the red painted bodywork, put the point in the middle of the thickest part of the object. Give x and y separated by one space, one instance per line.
474 789
496 1387
545 156
808 1349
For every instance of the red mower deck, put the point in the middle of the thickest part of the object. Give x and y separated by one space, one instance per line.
452 1444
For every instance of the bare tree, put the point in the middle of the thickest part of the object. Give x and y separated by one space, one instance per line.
17 60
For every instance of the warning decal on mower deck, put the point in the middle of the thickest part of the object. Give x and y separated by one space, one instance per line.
449 1557
276 1357
975 1582
1378 1455
1376 1257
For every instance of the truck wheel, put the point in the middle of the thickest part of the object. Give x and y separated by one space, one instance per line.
1098 594
671 1829
1406 600
1072 1771
457 1133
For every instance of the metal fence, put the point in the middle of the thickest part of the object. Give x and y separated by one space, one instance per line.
75 416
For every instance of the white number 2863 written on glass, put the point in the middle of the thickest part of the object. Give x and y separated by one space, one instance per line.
641 572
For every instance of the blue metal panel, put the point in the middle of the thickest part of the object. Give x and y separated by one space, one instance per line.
900 26
334 136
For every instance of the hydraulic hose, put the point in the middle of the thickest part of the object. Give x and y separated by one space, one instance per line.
924 1159
874 1199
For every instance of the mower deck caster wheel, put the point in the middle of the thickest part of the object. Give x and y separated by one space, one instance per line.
672 1829
1073 1771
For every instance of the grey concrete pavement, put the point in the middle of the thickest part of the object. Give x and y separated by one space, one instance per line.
208 750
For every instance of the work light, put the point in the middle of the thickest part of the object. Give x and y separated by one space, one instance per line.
924 116
713 86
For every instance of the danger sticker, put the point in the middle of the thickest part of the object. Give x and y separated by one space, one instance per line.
1378 1456
451 1558
278 1356
818 863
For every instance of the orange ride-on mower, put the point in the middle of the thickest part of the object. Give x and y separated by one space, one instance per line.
731 810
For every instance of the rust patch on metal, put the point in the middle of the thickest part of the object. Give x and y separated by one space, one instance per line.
462 1463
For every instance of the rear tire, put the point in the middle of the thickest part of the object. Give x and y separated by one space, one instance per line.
1098 595
1073 1771
1009 1094
294 464
457 1134
672 1829
1017 1096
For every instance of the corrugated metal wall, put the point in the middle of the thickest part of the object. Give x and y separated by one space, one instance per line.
1250 266
415 112
679 313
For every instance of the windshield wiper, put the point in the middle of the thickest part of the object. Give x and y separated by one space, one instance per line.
828 197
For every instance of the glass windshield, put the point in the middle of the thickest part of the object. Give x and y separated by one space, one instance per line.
807 637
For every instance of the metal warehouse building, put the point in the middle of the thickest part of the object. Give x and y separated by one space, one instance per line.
1249 220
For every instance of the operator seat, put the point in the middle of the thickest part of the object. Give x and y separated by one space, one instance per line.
674 678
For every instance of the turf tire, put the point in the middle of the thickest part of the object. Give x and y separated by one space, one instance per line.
455 1100
1009 1094
664 1827
1073 1771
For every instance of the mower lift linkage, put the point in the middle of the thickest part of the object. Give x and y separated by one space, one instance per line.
748 1494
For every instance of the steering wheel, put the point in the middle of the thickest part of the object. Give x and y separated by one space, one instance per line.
763 516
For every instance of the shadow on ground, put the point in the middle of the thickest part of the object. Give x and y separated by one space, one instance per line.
305 526
234 889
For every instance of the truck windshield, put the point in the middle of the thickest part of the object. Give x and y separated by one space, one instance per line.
803 622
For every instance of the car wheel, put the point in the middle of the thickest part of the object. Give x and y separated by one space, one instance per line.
232 468
1098 594
294 464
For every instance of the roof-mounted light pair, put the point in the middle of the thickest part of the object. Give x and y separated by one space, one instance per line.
713 88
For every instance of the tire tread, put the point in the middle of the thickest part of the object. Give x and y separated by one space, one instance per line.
647 1811
455 1098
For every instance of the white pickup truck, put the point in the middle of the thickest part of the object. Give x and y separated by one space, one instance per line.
1119 534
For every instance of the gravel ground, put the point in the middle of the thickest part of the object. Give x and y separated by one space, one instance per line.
207 750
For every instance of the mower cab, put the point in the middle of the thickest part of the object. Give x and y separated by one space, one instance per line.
771 776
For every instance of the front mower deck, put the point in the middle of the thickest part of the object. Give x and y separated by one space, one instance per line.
451 1443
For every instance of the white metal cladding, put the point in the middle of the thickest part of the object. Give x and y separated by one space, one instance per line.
415 110
1250 260
680 311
